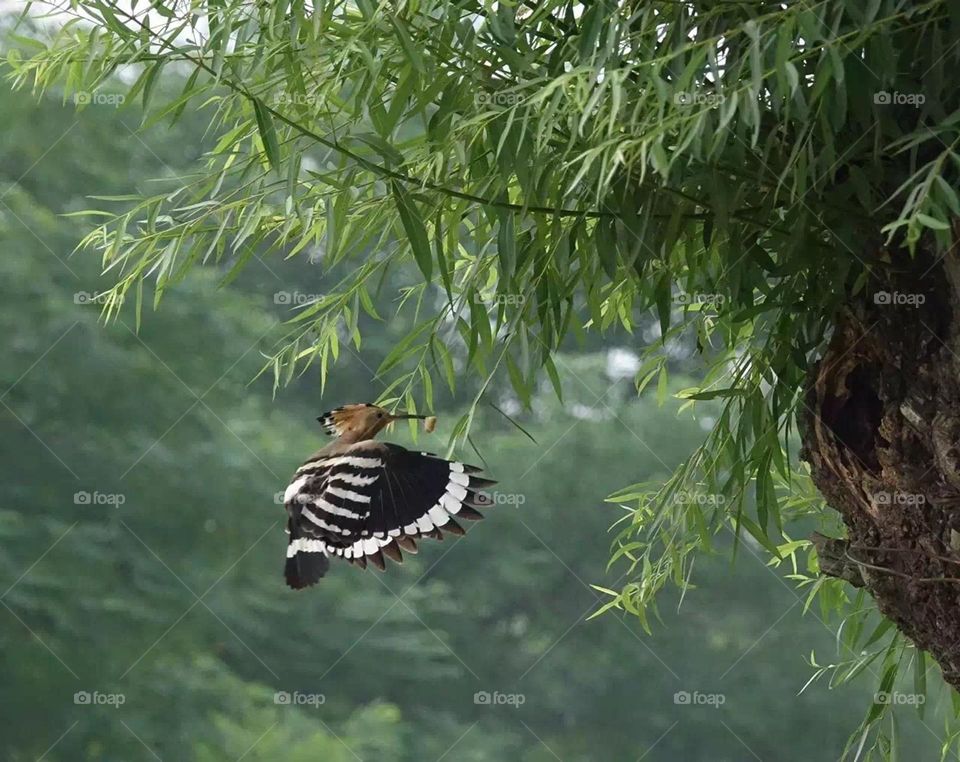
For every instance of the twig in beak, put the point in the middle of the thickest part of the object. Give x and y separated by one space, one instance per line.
429 421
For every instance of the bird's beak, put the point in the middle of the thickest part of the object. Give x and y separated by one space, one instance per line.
405 416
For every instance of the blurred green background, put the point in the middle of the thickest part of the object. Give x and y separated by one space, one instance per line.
144 614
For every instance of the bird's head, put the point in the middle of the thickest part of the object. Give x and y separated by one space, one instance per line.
355 423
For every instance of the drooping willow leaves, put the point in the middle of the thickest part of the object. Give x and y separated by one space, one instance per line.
734 170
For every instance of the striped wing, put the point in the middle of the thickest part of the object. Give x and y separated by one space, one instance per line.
371 501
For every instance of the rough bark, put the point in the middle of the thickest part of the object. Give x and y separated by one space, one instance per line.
881 432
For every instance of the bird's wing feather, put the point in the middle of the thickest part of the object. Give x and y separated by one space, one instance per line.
373 498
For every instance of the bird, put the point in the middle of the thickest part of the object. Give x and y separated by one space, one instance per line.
364 500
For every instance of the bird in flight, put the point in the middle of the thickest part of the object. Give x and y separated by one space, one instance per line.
363 500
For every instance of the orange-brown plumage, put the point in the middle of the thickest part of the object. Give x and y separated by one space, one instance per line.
359 422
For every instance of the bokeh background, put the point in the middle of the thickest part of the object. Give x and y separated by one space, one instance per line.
143 613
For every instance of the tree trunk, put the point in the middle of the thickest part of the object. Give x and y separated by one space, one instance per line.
881 431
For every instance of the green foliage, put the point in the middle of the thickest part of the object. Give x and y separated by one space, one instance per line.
718 175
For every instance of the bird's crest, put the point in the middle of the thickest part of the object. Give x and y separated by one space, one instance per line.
335 421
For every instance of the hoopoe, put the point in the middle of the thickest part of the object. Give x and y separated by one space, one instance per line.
363 500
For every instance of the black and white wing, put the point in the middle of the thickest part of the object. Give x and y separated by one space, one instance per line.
368 502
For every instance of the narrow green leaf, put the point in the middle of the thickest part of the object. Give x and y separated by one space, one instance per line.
506 244
606 242
444 263
414 228
932 222
268 134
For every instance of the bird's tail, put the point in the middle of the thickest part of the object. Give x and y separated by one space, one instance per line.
306 563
